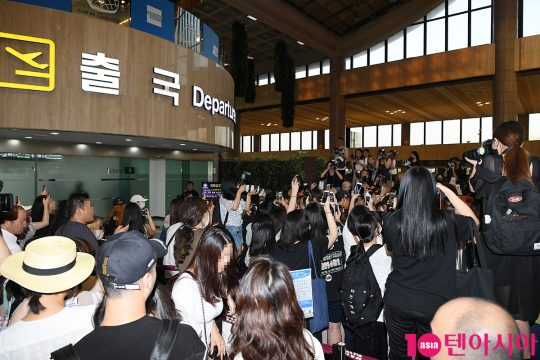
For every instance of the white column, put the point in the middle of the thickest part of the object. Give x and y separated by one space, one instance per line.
157 187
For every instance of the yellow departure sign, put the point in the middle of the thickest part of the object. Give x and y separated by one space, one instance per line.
23 60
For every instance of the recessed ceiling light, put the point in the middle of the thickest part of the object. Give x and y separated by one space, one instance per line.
251 17
55 133
176 152
194 149
14 129
300 43
82 146
133 149
129 140
99 142
182 144
27 137
167 145
14 142
317 118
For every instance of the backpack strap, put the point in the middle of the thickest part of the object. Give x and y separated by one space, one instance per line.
372 249
226 218
65 353
165 340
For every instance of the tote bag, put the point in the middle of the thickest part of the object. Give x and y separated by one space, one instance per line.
320 300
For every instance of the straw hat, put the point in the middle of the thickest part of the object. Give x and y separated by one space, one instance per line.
48 265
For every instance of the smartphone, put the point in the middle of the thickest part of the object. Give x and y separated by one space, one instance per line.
367 197
321 185
325 196
391 196
358 188
279 195
332 197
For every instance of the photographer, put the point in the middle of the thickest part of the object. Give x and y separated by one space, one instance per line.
340 149
516 278
331 175
454 171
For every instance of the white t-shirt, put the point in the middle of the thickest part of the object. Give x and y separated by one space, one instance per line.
381 264
169 258
187 301
319 354
11 242
235 216
35 340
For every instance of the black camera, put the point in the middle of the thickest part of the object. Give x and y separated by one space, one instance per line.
382 154
244 179
392 154
6 202
479 153
358 174
406 162
452 164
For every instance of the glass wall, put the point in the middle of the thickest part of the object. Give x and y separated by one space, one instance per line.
103 178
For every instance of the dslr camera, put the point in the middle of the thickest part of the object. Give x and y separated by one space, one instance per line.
479 153
382 154
392 154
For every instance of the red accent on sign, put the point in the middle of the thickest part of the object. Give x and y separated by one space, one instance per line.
515 199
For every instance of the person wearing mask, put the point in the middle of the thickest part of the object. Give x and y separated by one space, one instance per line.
183 237
198 292
50 269
81 212
267 311
414 159
126 266
149 225
422 240
516 278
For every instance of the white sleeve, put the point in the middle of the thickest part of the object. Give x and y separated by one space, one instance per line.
348 241
187 301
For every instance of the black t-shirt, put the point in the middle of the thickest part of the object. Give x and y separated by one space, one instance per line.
76 230
333 180
423 285
332 267
298 257
135 340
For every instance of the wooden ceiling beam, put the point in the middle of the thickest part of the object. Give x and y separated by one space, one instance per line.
385 26
291 22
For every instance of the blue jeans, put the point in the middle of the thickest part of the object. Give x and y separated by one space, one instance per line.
236 233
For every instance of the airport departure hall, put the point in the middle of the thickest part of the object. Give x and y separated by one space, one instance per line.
270 179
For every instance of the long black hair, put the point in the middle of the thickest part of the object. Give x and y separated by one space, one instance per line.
422 225
315 217
363 224
264 235
133 217
229 188
296 228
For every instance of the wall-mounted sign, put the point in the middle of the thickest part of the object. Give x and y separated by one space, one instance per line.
30 70
25 156
155 17
167 86
100 74
212 104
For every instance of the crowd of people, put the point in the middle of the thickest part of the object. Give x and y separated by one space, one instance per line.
216 280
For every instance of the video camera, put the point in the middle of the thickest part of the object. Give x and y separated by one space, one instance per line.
479 153
6 200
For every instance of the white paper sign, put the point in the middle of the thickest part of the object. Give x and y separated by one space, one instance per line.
302 288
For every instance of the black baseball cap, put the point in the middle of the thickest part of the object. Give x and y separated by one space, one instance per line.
118 201
126 257
340 194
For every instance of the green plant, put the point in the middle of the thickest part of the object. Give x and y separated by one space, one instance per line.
239 53
251 88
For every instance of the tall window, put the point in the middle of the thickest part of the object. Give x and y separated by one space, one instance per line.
417 133
531 10
265 143
370 136
356 137
285 139
433 132
534 126
247 142
384 135
274 142
295 141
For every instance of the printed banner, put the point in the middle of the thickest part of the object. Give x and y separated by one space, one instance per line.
302 288
155 17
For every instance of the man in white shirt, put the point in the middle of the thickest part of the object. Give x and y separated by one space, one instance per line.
13 224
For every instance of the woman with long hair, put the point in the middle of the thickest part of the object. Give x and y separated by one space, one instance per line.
115 217
232 207
516 278
270 323
422 239
134 219
199 291
191 216
262 239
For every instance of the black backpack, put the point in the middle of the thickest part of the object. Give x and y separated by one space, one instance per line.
361 297
511 224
